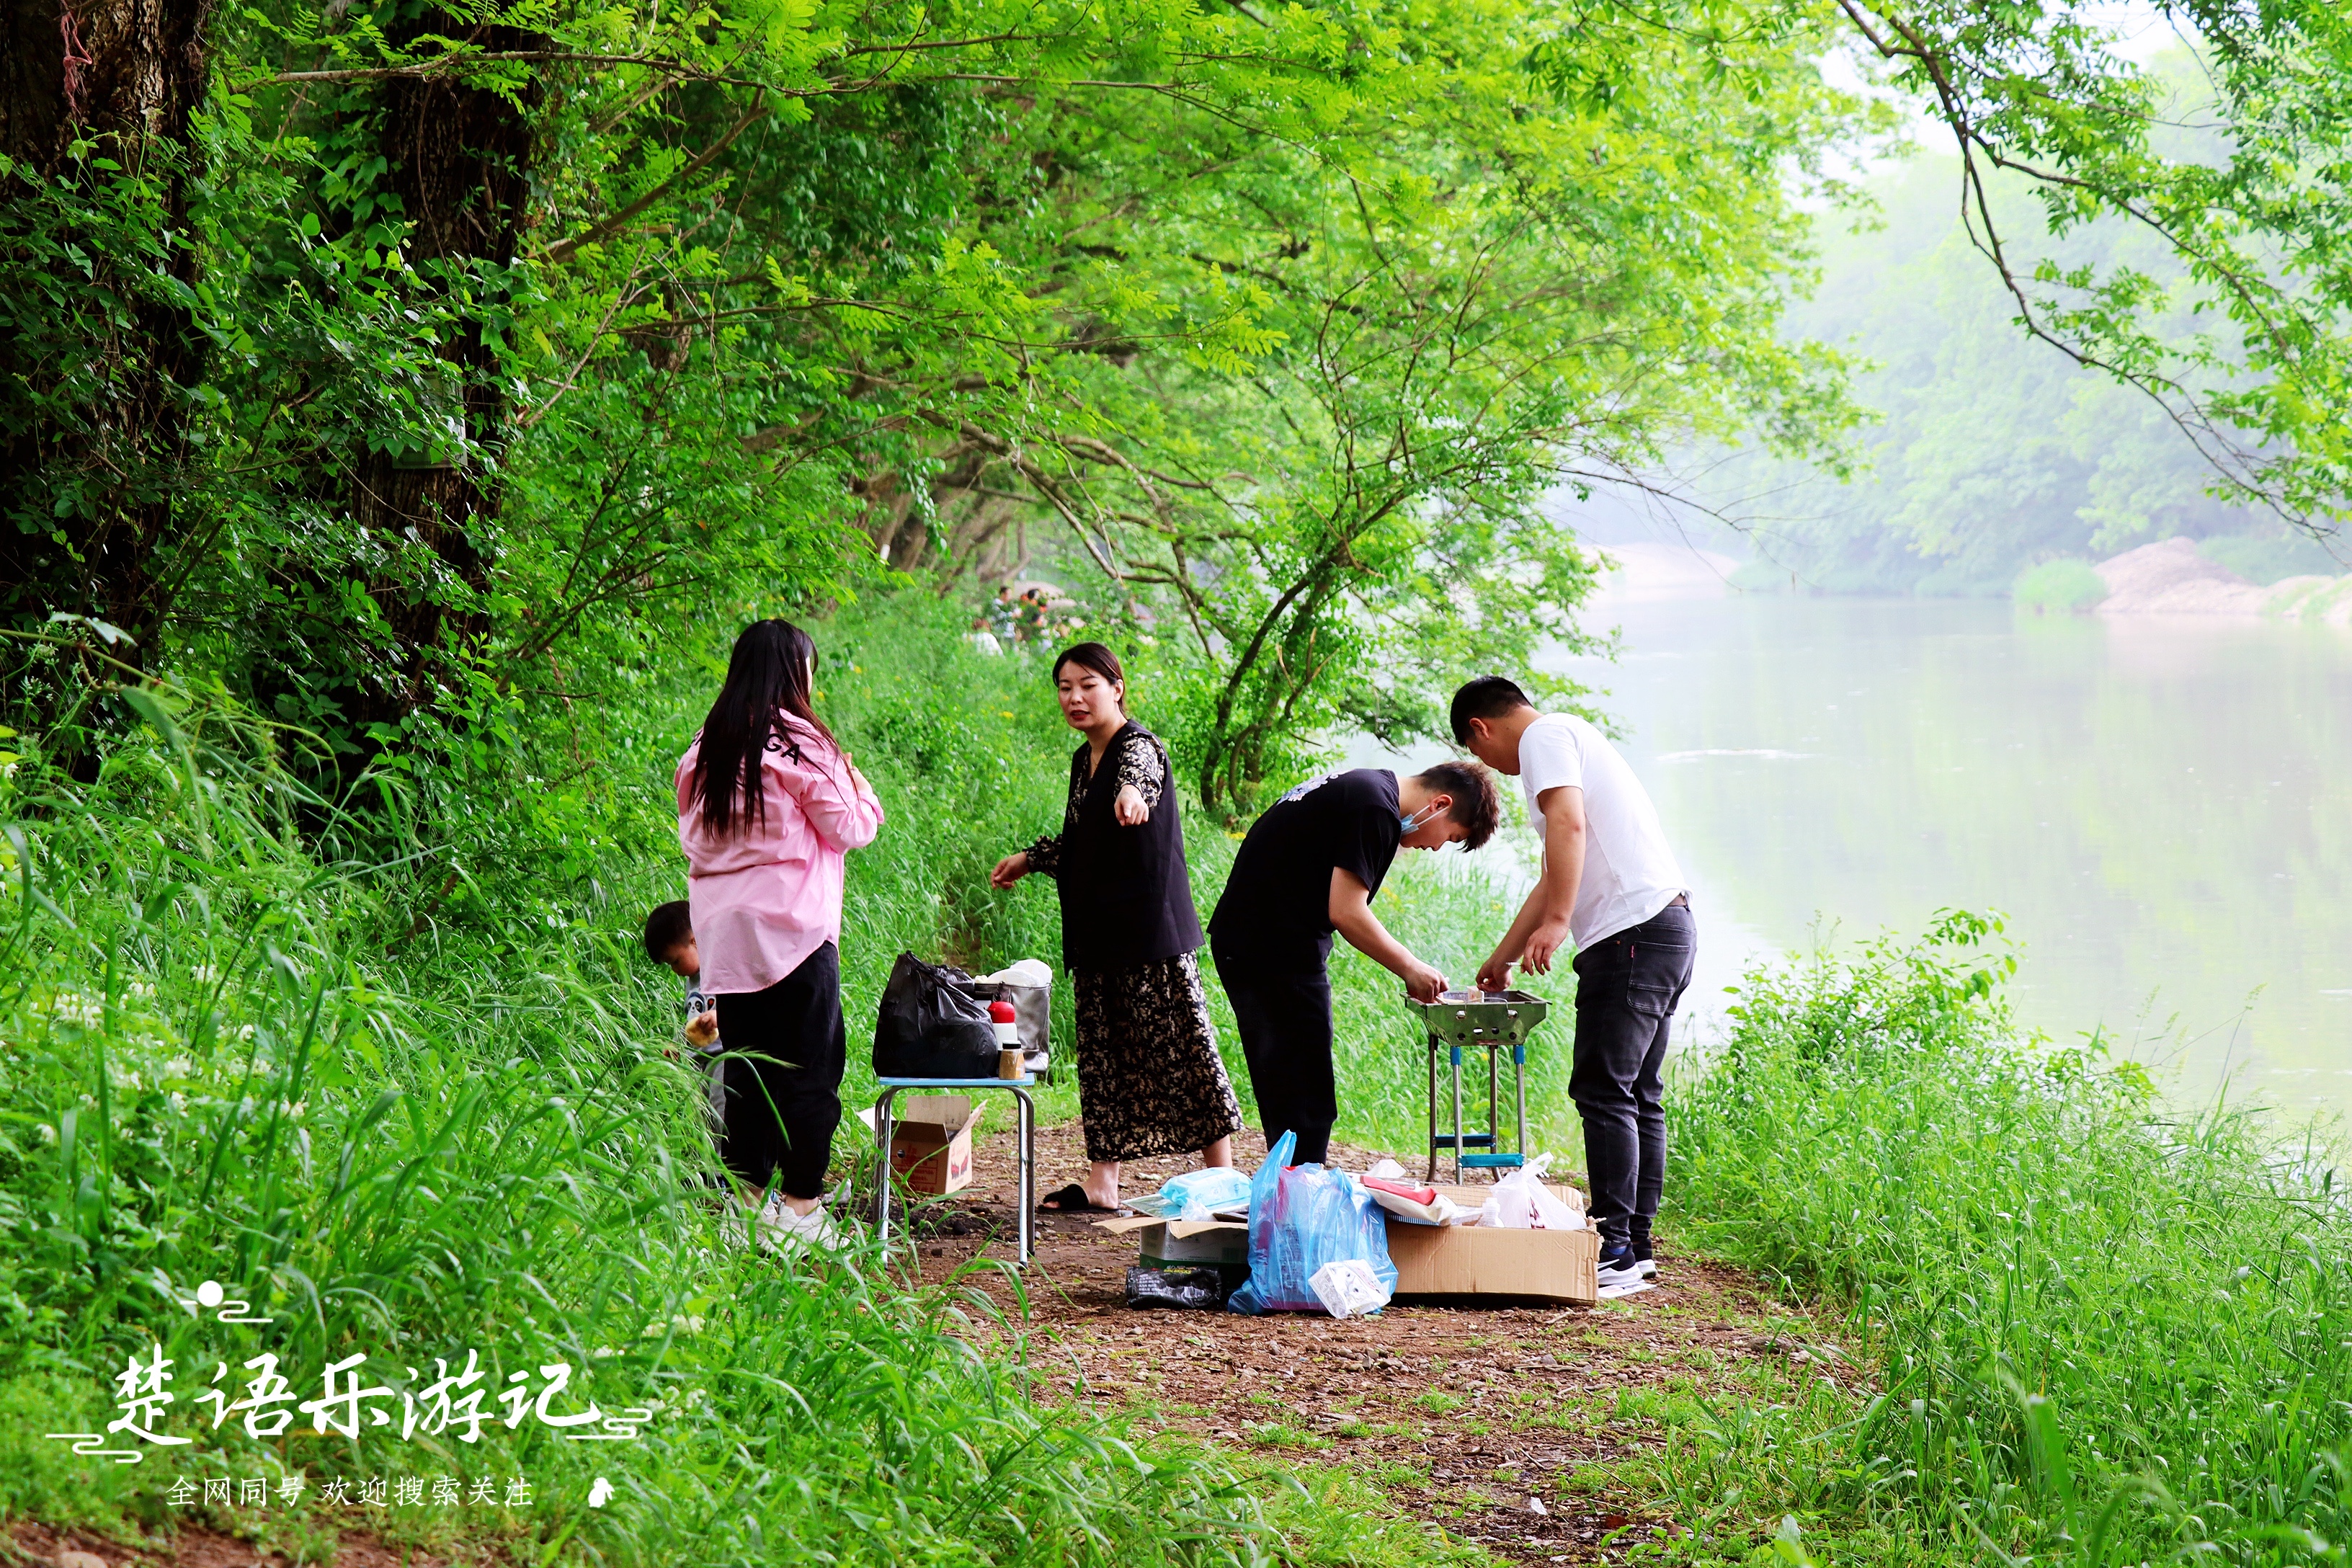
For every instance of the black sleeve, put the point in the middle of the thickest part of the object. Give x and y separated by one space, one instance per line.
1367 833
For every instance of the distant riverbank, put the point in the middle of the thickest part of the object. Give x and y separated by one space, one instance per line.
2172 578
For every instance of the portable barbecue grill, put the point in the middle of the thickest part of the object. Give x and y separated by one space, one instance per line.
1466 1020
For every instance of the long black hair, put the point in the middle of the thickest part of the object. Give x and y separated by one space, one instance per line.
767 676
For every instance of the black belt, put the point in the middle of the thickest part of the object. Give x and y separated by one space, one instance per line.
1679 901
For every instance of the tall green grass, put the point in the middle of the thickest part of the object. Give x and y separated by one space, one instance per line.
2102 1331
211 1071
397 1078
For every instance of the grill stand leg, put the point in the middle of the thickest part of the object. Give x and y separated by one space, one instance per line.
1432 1176
1494 1118
1456 1053
1520 1090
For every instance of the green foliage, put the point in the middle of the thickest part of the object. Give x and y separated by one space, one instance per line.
1991 449
2103 1331
2063 587
1266 328
1441 308
214 1072
2228 307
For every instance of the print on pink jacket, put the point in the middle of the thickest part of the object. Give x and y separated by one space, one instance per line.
766 898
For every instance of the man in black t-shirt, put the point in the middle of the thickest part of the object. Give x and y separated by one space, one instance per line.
1308 868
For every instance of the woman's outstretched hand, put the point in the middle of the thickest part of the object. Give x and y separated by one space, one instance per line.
1129 808
1010 870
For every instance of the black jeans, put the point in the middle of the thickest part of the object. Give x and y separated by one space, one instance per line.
1284 1020
1627 986
785 1049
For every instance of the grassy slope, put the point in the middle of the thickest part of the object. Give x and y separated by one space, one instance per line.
418 1127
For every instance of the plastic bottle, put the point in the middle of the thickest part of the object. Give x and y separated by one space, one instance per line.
1008 1040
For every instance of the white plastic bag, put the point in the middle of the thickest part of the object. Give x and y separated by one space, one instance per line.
1348 1287
1028 972
1521 1201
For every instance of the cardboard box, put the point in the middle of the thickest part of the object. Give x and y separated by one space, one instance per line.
930 1141
1184 1240
1460 1260
1223 1245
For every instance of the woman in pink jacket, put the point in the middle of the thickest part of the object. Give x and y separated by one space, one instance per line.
768 806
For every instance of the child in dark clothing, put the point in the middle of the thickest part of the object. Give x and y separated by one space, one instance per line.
669 942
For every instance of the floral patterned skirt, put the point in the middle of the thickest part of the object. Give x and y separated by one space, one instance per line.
1149 1079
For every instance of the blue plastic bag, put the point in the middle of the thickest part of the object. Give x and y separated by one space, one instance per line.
1302 1217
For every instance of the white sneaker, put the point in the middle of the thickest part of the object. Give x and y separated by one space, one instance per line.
1647 1268
777 1228
1618 1268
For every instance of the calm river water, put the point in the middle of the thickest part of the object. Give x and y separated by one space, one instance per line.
2161 808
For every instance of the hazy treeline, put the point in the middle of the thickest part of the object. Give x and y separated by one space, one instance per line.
1989 450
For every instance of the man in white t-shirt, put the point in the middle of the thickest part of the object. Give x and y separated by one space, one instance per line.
1610 887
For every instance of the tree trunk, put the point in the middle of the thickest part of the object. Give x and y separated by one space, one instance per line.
460 158
90 394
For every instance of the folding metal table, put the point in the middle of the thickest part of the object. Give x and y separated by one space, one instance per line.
1025 1115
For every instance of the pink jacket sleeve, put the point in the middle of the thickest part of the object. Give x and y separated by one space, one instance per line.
836 801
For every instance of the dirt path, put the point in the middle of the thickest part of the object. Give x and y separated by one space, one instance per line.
1460 1415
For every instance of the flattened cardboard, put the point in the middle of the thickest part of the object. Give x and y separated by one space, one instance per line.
1126 1223
930 1141
1176 1227
1458 1260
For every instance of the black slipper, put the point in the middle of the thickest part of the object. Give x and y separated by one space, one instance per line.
1073 1199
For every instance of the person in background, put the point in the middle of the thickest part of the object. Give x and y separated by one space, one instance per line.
1149 1079
1612 887
1004 615
669 942
1309 867
1035 616
767 806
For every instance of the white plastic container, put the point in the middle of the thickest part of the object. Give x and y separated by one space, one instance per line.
1348 1287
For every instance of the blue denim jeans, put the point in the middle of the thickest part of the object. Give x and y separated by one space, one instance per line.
1627 987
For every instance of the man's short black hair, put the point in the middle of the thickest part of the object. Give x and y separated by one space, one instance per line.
668 929
1472 787
1488 696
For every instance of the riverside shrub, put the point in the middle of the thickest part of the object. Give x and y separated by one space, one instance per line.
2103 1329
2060 587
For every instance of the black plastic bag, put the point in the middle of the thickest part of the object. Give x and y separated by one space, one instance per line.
1194 1289
930 1026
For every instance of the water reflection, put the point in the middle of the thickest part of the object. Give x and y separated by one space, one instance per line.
2163 808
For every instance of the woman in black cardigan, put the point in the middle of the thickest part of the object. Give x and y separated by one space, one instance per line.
1150 1079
